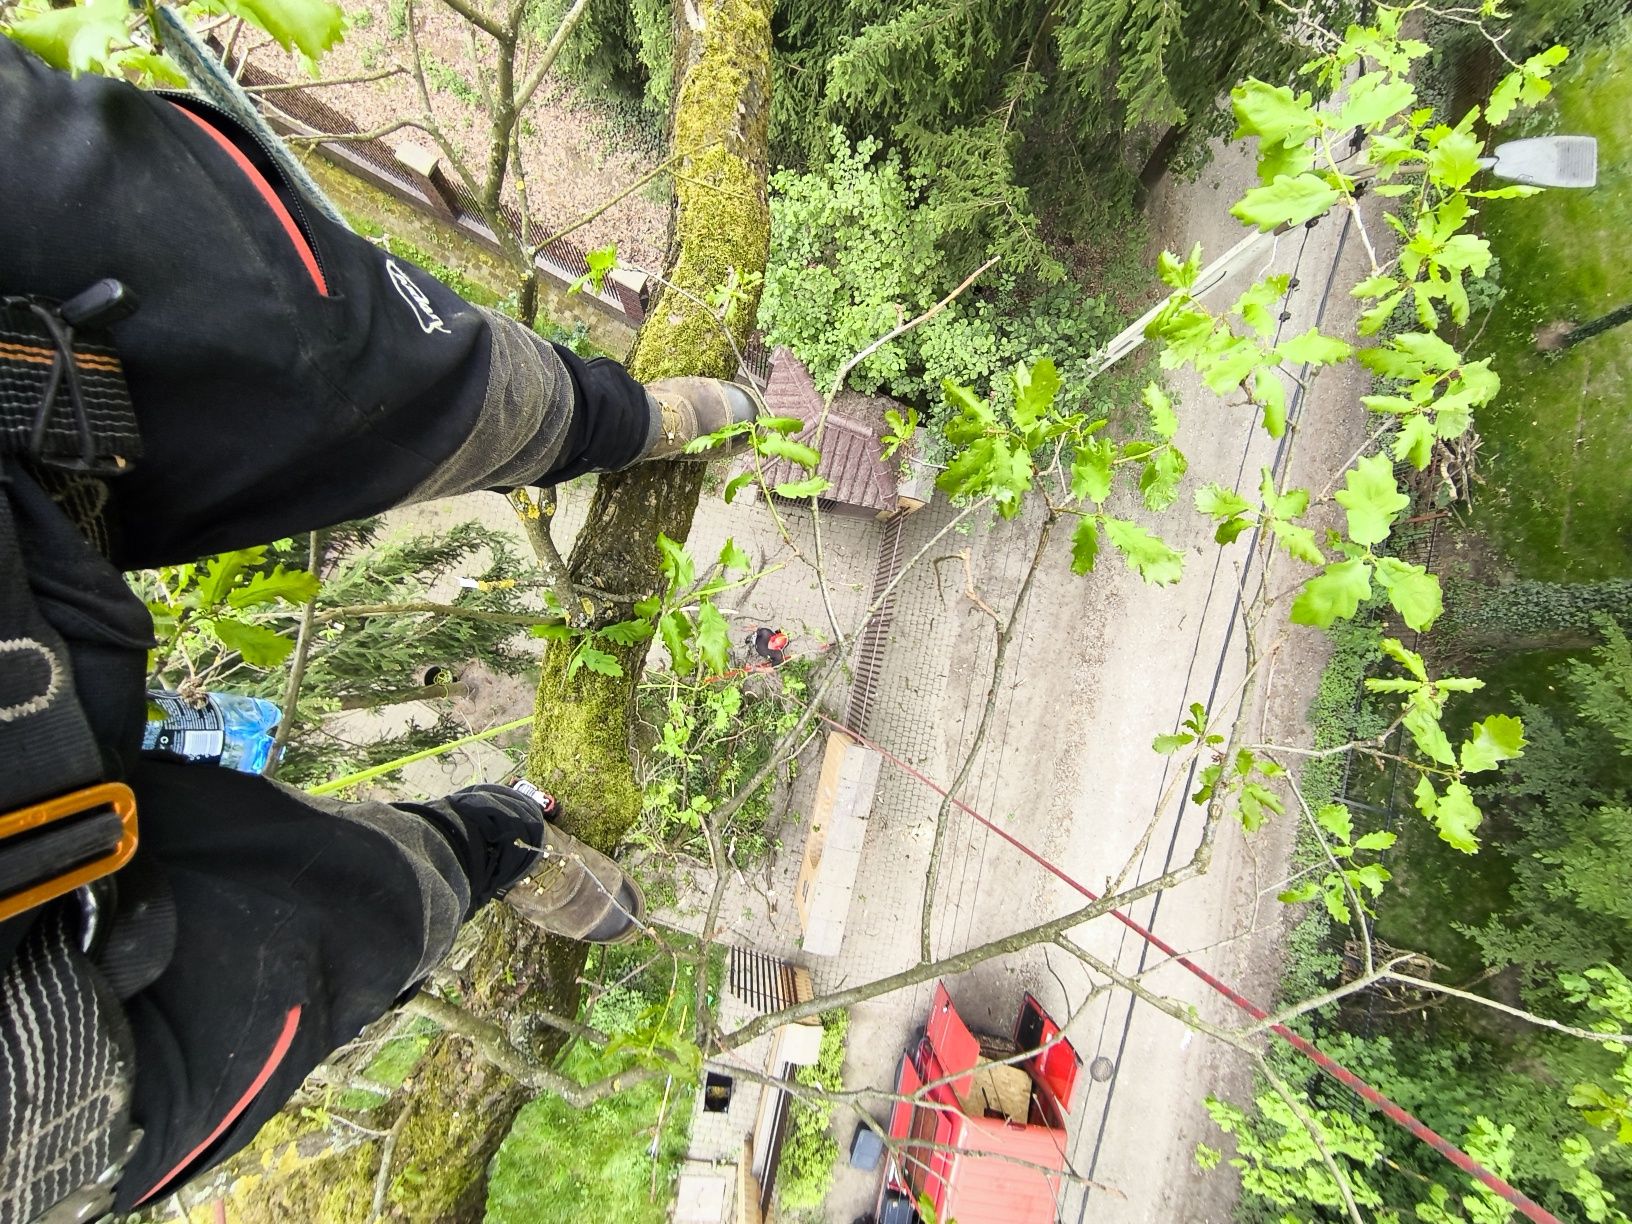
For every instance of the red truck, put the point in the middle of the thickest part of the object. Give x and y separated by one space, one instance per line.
998 1130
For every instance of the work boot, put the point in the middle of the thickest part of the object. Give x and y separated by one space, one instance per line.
578 892
689 408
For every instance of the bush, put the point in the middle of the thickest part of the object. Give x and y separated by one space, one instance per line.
862 245
626 48
809 1151
1531 610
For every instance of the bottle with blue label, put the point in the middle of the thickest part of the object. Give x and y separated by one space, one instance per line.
225 729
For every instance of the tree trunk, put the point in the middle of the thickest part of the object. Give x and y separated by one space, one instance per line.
462 1108
1603 323
721 222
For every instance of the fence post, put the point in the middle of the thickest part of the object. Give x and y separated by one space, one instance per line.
427 164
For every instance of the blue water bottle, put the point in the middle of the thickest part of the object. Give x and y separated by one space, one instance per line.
226 729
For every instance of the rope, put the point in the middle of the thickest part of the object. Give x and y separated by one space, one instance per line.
1394 1113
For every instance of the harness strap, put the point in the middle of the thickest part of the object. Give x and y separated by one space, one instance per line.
66 1067
66 1064
63 398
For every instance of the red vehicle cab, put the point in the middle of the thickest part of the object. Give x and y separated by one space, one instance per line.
994 1134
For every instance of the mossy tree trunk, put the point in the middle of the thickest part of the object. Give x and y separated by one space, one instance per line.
721 227
459 1107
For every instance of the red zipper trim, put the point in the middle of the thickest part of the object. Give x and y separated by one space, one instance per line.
291 1023
258 181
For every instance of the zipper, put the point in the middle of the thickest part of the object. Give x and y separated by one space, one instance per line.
294 203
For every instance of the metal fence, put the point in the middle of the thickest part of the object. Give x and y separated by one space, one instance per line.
295 110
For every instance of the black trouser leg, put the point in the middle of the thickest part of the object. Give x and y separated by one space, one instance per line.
298 921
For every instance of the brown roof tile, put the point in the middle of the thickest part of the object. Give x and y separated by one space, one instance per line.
850 449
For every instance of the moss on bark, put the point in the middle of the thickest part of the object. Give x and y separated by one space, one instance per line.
721 230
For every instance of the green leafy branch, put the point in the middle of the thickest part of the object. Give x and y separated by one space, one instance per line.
1346 880
684 616
220 605
996 451
1605 991
769 438
1491 741
111 38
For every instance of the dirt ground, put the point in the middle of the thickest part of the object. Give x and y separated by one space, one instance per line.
577 151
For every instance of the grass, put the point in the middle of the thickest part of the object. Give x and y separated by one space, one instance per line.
616 1160
1558 502
559 1163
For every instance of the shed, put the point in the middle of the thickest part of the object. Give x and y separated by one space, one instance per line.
862 482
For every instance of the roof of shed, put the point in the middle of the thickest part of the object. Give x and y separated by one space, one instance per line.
851 453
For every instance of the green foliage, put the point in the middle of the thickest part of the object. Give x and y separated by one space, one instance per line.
1569 801
230 622
601 261
617 1159
445 77
1012 104
308 26
1007 107
992 458
89 37
1537 24
1555 498
864 244
1345 883
622 46
1607 995
1527 612
103 36
1279 1161
1545 1132
808 1150
211 612
710 738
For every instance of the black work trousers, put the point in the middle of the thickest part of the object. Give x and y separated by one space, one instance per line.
287 375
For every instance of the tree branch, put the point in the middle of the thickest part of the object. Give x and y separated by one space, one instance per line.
601 208
536 517
297 668
330 615
968 959
1518 1013
479 19
1005 634
324 82
569 22
382 1179
490 1041
1318 1137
